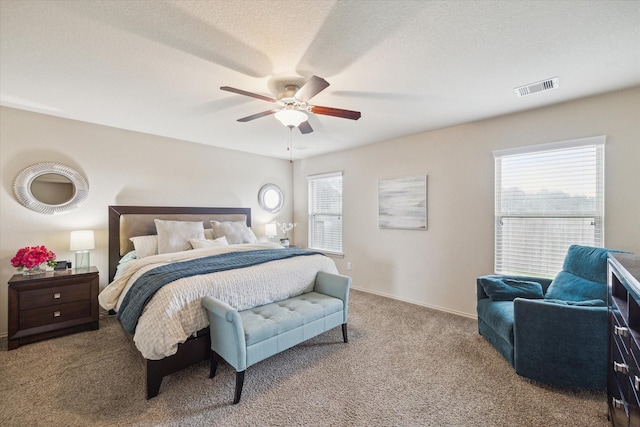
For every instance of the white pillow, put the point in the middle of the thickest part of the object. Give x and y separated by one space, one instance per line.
145 245
235 232
208 234
173 236
207 243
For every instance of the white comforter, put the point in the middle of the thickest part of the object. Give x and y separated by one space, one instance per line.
174 313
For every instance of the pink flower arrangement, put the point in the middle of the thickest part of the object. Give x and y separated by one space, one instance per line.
33 256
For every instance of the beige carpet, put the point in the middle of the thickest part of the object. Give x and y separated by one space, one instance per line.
405 365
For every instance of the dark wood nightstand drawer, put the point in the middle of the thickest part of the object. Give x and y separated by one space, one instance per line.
54 314
54 296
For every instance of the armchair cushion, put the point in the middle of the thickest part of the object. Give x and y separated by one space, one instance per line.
583 275
570 287
587 262
506 289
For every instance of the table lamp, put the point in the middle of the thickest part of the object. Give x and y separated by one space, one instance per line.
81 242
270 231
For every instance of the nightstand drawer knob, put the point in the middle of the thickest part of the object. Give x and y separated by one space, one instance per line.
56 295
617 403
56 314
621 331
621 367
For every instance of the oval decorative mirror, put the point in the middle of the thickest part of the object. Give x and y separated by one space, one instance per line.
271 198
50 188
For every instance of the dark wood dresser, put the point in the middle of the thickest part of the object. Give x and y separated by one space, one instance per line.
623 374
52 304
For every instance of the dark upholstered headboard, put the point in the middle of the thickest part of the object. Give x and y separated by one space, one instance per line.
131 221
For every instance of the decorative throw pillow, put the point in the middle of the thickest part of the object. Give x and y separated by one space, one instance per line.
235 231
569 287
208 234
173 236
504 289
208 243
145 245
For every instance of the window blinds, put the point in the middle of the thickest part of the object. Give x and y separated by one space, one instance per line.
325 212
547 198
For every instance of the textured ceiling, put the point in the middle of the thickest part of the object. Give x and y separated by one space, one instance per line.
408 66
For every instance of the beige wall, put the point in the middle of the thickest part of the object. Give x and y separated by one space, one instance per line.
122 168
435 268
438 267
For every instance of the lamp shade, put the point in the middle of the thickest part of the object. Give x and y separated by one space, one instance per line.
291 118
270 230
82 240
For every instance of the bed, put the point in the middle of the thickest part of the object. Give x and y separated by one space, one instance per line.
191 343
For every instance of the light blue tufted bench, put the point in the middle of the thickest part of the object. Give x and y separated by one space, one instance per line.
247 337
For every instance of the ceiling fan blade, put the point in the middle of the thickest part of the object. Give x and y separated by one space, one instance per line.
311 88
245 93
305 127
336 112
258 115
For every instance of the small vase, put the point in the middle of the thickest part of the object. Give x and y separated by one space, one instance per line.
38 269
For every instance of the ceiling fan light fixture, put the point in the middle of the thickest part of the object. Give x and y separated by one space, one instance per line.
291 118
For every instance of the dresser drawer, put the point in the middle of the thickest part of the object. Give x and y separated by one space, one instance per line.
54 296
618 407
620 366
621 335
54 314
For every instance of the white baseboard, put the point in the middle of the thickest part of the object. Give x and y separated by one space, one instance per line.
446 310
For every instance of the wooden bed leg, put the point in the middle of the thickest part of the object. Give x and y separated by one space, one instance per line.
239 383
344 333
154 377
215 357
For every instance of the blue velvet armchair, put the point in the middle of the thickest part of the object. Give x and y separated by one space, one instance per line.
552 331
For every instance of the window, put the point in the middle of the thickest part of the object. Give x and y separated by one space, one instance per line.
325 212
548 197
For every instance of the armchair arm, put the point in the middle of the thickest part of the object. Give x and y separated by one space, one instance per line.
559 344
227 332
334 285
480 293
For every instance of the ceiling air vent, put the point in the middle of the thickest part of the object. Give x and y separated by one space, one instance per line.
536 87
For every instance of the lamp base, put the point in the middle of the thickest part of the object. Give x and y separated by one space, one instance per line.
82 260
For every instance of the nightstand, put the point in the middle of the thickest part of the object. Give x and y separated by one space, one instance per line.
52 304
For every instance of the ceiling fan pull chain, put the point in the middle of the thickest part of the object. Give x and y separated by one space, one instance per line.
290 148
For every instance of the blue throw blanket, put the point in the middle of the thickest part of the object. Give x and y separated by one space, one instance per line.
151 281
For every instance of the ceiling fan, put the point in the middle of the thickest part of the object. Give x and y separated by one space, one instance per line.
293 104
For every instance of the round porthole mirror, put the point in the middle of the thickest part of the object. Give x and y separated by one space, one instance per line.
50 188
271 198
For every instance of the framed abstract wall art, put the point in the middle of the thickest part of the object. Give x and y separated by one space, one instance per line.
402 202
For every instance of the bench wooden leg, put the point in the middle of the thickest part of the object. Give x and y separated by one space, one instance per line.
239 384
344 332
215 357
